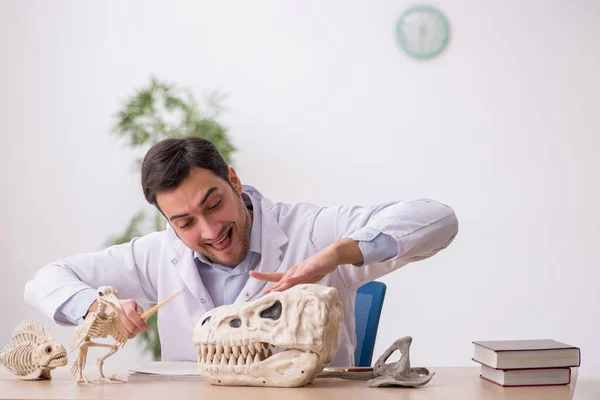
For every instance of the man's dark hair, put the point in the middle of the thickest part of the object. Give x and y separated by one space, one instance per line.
170 161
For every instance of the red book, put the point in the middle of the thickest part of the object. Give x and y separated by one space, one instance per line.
526 354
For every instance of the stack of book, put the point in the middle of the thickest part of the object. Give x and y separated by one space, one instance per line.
526 362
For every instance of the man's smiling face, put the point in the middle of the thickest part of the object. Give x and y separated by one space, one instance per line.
209 216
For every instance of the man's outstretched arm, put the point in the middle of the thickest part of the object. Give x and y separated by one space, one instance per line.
371 241
64 290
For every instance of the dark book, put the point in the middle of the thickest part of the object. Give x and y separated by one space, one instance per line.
526 377
524 354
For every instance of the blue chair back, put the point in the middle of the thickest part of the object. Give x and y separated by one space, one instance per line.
367 310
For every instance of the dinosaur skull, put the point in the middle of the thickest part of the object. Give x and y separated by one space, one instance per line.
283 339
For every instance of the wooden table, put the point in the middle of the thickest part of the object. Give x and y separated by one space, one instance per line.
448 383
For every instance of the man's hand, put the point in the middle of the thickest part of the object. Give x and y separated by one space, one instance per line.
129 314
313 269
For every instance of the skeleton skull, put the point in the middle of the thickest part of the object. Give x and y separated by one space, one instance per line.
33 353
50 355
283 339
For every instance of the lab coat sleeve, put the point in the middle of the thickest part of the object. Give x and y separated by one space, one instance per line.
420 229
62 289
73 311
374 245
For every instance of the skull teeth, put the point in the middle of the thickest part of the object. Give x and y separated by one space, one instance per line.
240 355
211 352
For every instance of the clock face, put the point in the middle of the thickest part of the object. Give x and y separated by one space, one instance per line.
422 32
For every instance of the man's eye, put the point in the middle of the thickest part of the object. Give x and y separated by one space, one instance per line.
217 204
185 225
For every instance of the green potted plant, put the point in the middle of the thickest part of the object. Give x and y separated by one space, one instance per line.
154 112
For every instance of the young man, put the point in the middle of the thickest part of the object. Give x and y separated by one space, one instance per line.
226 243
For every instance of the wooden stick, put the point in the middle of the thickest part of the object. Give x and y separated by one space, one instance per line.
159 305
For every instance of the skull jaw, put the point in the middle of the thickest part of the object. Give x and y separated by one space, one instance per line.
59 361
52 361
291 368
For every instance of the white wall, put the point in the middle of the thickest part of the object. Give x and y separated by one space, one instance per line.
325 108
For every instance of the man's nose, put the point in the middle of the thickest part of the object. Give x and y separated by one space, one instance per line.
208 231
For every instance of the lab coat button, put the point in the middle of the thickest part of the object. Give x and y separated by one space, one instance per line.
246 294
174 261
202 301
280 257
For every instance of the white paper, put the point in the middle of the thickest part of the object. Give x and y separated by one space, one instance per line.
168 368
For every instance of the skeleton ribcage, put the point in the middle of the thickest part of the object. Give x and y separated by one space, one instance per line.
102 328
20 359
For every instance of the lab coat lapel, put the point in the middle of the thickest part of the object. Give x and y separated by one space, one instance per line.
273 238
184 263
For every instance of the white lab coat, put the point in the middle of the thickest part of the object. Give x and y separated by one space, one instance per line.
152 267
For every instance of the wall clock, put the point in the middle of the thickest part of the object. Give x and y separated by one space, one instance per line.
422 32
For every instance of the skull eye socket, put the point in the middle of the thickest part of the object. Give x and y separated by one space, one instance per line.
48 350
205 320
100 294
235 323
273 312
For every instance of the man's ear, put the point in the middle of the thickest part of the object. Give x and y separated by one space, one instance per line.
235 181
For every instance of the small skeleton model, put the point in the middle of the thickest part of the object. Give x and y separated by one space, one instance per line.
99 324
32 353
398 373
283 339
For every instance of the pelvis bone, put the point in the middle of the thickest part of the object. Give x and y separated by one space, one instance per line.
283 339
398 373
